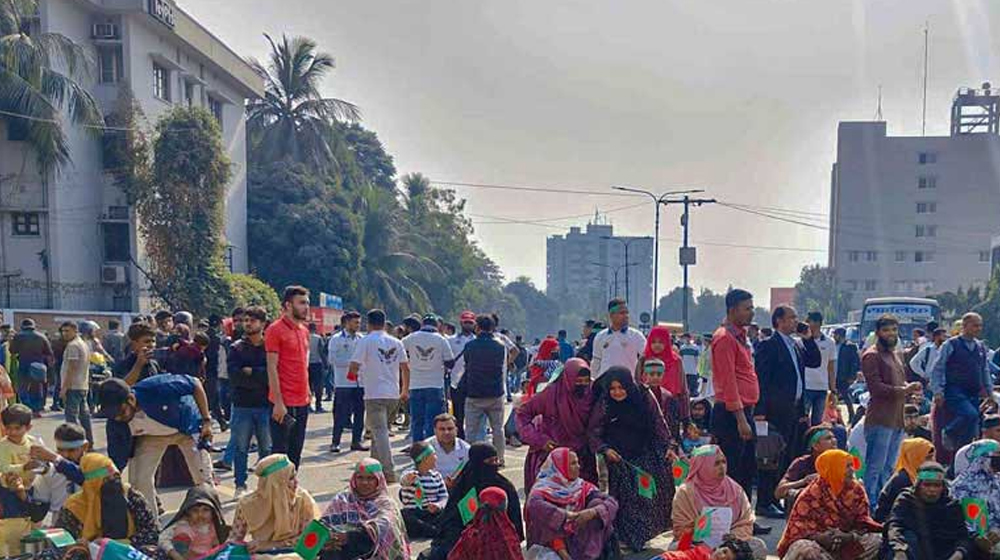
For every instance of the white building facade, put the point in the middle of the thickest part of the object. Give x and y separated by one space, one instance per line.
914 216
68 241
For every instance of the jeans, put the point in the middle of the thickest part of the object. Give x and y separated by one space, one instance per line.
290 440
328 382
881 451
316 384
477 411
78 411
742 455
214 403
226 397
348 411
149 452
425 404
815 403
458 409
964 425
377 421
247 423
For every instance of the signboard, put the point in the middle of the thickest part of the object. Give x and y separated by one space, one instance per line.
163 11
645 317
906 312
689 256
331 301
326 319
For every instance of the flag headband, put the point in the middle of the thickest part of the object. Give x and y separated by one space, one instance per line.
102 472
423 455
703 450
617 308
274 467
67 445
930 475
817 436
653 365
370 469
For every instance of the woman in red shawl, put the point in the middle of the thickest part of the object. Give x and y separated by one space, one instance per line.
660 345
557 417
546 359
491 534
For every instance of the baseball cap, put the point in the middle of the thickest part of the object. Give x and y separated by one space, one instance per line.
468 317
111 395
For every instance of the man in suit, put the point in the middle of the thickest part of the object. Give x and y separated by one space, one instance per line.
781 362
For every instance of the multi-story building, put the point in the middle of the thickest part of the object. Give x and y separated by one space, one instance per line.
914 216
587 263
68 240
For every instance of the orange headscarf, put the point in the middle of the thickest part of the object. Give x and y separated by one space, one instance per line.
832 467
912 453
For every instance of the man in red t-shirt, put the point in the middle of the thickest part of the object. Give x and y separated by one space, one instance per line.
287 343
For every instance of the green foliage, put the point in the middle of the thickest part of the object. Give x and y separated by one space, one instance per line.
375 163
126 146
817 290
705 313
542 310
989 308
249 290
955 304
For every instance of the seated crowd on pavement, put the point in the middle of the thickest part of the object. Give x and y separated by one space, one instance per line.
891 451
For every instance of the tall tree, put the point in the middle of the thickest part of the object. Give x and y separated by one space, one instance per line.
293 120
955 304
817 290
31 86
541 311
375 163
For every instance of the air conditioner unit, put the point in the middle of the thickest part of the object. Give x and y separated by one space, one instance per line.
112 274
105 30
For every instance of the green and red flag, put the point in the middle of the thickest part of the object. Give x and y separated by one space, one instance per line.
468 506
645 483
60 538
228 551
312 540
418 493
680 471
976 513
857 463
702 527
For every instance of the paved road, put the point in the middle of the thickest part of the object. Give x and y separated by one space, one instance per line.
325 474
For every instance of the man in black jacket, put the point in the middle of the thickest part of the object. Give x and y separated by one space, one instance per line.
848 366
781 362
247 366
482 383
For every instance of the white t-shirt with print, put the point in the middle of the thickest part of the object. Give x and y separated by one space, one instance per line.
379 355
458 343
817 379
427 351
620 348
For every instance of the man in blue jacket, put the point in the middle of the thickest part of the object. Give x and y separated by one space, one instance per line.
155 413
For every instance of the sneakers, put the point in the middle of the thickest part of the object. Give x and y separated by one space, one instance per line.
240 490
359 447
334 449
221 466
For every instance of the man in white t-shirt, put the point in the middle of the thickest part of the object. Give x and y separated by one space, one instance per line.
348 396
452 451
690 353
382 363
822 380
427 351
467 321
619 345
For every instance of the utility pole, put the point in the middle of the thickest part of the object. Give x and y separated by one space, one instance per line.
688 254
625 243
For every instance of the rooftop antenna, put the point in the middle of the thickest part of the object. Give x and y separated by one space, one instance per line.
923 121
878 107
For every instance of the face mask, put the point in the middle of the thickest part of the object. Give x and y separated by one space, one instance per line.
579 390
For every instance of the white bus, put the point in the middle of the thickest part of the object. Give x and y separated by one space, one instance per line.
912 313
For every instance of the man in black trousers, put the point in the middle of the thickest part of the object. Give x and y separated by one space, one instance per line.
781 362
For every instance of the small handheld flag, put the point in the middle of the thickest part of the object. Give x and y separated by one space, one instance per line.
703 527
312 540
352 376
458 469
59 538
857 463
976 513
418 493
680 471
228 551
468 506
645 483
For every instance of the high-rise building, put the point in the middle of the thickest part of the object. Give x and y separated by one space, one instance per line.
68 240
585 264
914 216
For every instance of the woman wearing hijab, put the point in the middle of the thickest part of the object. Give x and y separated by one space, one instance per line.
481 470
106 507
491 534
660 345
626 427
566 513
557 417
367 521
926 523
830 519
979 480
545 363
276 513
913 452
708 489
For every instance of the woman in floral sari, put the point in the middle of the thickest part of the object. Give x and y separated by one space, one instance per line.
366 522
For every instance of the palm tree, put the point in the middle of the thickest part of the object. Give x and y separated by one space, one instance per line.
415 188
293 119
32 93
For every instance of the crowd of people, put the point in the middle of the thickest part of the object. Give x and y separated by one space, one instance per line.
629 435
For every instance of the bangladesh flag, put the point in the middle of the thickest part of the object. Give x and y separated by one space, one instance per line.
312 540
976 513
645 483
59 538
857 463
702 527
680 471
468 505
418 494
228 551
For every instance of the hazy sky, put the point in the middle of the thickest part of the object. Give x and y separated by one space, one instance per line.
739 97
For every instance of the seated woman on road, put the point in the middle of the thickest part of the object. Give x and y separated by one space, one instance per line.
491 534
276 513
627 428
566 513
106 507
366 522
926 523
708 489
481 471
802 471
913 452
831 518
979 480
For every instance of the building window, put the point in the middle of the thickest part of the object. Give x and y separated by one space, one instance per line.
853 256
26 223
923 256
926 231
926 207
984 256
189 93
161 82
215 106
925 158
110 65
871 285
900 256
116 242
852 285
927 182
871 256
901 286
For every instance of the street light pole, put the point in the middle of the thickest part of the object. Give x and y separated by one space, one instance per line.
625 243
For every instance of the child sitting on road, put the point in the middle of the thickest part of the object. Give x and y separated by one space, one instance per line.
197 528
62 476
422 492
16 476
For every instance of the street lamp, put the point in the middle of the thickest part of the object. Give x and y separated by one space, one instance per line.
657 201
614 271
625 243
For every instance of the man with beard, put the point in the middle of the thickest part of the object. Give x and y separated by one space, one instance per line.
926 523
886 380
564 408
248 367
287 343
961 376
348 395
